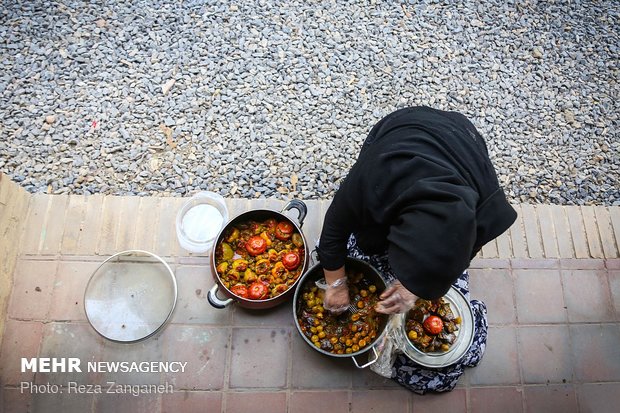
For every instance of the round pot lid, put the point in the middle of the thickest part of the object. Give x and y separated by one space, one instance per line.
130 296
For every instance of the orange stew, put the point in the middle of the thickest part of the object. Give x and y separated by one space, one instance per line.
260 260
346 333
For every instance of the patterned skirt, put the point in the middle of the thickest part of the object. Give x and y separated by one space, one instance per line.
408 373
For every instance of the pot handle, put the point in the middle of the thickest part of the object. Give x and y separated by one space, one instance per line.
314 257
215 301
363 366
300 206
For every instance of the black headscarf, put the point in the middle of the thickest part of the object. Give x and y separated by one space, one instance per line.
423 188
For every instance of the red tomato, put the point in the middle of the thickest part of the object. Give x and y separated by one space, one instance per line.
256 245
291 260
240 290
433 325
284 230
258 291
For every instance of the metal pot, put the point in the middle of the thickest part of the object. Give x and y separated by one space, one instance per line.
370 273
257 215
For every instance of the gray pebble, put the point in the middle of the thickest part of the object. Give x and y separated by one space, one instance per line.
261 93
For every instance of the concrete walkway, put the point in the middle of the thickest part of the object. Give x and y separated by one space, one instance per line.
551 283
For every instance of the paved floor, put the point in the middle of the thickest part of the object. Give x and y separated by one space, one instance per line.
552 285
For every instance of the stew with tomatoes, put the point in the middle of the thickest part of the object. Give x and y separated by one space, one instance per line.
258 260
431 325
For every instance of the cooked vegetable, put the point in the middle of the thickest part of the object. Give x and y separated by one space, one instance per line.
240 265
253 252
262 266
234 234
273 255
225 251
297 240
284 230
278 272
222 267
258 291
256 245
240 290
291 260
249 276
345 333
431 325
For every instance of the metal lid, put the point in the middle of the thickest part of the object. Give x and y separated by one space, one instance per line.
130 296
461 308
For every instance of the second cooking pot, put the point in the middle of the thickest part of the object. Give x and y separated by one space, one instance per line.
357 266
257 215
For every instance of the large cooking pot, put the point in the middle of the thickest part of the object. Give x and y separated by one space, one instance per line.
257 215
315 273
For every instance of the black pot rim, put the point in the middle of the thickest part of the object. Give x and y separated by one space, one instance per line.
269 302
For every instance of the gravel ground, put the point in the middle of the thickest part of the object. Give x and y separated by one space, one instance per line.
274 98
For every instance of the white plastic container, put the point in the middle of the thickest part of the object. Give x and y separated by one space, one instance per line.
200 220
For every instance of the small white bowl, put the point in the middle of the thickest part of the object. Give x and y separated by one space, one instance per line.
200 220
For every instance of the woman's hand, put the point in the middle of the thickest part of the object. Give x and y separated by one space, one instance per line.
396 299
337 293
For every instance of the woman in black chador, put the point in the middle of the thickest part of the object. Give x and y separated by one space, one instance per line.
419 203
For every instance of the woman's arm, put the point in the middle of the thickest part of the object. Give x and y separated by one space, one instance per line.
339 223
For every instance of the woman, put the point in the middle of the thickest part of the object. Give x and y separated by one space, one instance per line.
421 199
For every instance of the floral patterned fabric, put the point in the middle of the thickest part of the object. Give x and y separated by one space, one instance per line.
405 371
